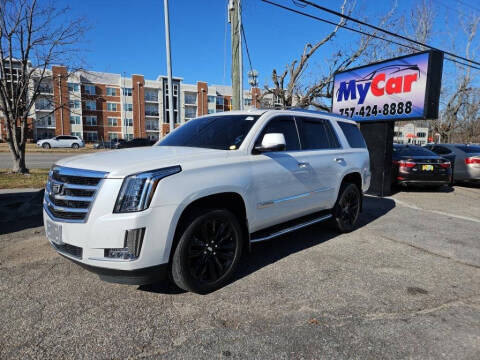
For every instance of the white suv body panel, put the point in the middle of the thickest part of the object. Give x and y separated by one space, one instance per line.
272 191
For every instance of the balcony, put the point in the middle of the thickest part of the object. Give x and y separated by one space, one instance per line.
43 107
151 112
45 89
151 98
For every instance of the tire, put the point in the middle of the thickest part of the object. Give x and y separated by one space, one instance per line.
347 208
75 146
46 146
208 251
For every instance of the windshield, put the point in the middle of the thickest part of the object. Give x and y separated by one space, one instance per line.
225 132
409 150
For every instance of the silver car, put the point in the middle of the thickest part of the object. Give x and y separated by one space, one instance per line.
467 160
61 141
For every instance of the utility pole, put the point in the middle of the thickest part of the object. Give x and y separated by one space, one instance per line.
234 18
169 66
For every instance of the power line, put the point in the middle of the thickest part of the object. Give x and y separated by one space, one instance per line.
360 31
385 31
246 47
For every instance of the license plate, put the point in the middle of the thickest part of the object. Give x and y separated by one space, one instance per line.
54 232
427 167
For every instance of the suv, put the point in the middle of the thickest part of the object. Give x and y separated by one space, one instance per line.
62 141
190 205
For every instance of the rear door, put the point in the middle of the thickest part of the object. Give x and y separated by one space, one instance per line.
323 155
280 181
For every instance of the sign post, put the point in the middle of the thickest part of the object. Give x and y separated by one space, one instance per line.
375 95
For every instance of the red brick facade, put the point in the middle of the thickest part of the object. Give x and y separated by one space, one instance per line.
60 100
138 97
202 98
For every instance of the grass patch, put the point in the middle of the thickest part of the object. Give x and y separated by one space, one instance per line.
36 179
34 148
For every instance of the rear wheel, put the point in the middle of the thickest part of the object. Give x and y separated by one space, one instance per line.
208 251
75 146
347 207
46 145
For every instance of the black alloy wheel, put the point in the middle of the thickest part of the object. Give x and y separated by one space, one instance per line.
208 252
347 207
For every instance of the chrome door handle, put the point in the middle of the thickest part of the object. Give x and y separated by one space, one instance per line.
339 160
303 164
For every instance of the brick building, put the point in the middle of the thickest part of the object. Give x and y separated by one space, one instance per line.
105 106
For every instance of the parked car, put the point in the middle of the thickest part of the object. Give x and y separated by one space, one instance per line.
415 165
190 205
467 160
62 141
136 143
114 144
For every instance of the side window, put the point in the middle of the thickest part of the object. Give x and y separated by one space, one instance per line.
286 126
353 135
441 150
62 137
314 133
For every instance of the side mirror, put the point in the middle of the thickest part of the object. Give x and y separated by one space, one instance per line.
272 142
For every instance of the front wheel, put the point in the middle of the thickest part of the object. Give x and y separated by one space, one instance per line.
208 251
46 145
75 146
347 208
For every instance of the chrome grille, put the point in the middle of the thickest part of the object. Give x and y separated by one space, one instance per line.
70 193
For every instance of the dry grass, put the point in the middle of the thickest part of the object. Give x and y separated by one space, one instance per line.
36 179
33 148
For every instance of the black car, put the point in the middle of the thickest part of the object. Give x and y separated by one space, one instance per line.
136 143
114 144
415 165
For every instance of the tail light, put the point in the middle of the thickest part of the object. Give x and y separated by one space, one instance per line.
472 160
445 164
405 164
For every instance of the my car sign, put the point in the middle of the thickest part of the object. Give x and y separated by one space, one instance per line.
407 87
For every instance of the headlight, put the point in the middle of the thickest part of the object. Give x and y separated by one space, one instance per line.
138 189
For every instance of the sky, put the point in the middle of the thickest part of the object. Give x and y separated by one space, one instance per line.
128 36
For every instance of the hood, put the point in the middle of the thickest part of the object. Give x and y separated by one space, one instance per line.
124 162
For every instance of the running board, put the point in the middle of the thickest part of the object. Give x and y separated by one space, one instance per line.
264 235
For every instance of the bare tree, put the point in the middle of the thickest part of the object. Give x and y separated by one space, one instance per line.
33 37
288 88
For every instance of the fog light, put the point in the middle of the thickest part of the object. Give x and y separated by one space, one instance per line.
132 246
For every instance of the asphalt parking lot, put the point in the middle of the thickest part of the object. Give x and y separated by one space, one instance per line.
405 284
40 160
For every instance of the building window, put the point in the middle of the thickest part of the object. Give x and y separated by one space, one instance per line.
128 107
113 136
91 136
151 95
74 119
43 104
89 89
151 110
175 89
153 136
90 120
77 133
127 91
128 137
90 105
151 124
45 121
111 91
220 100
112 106
127 122
74 104
190 112
421 134
112 121
73 87
247 102
211 99
211 111
190 98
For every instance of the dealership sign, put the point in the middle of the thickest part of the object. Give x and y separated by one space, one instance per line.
407 87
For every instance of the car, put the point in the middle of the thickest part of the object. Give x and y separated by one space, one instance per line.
136 143
415 165
62 141
467 160
188 207
113 144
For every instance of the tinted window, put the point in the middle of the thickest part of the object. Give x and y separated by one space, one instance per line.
63 137
286 126
469 149
214 132
353 135
315 134
441 150
411 150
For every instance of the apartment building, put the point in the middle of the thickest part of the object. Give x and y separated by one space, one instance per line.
104 106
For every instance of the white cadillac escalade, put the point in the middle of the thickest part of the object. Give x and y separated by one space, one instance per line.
188 206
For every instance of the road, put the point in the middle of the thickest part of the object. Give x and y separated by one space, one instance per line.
35 160
405 284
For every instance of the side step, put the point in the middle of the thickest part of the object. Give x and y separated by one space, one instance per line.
289 226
